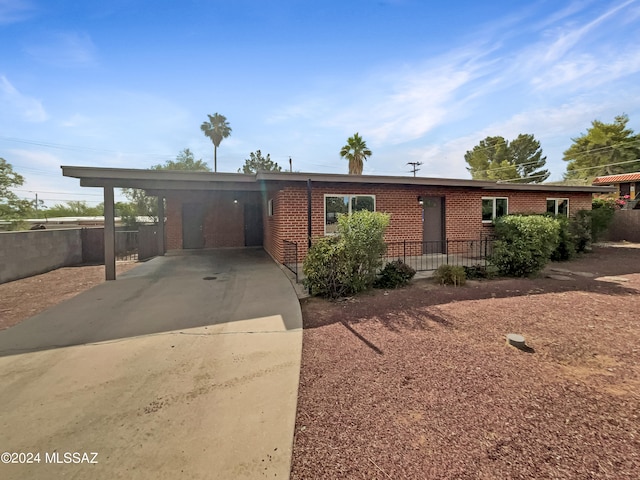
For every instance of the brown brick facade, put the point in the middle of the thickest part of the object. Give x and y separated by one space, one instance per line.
463 211
224 222
223 218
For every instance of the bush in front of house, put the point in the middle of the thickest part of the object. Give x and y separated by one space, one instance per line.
602 212
394 274
450 275
524 244
580 228
566 248
347 263
478 271
324 268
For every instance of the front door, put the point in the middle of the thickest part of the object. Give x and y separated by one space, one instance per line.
433 225
252 225
192 225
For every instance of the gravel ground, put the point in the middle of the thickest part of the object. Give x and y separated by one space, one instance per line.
27 297
420 383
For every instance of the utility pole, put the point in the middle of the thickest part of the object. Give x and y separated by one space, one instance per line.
290 165
415 166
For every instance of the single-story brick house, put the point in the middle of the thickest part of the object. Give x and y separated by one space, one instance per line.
212 210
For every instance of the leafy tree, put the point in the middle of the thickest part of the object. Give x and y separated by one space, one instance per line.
495 158
602 150
257 163
11 206
74 208
356 152
184 161
143 205
216 129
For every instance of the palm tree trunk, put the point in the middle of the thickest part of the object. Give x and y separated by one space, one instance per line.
215 158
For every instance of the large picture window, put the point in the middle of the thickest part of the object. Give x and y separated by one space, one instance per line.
335 205
494 207
558 206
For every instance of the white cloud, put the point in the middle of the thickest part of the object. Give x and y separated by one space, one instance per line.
14 102
75 120
64 49
13 11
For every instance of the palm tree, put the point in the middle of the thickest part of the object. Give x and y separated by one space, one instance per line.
216 129
356 152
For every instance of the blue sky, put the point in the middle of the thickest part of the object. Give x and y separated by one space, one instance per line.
126 83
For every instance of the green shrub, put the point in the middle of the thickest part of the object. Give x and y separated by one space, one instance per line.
602 211
580 228
394 274
450 275
566 248
347 263
524 244
324 268
477 271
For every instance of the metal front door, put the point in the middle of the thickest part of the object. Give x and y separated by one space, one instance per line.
192 225
433 225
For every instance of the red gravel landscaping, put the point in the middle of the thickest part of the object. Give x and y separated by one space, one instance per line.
420 383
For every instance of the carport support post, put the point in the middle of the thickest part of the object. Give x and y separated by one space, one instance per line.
109 235
160 225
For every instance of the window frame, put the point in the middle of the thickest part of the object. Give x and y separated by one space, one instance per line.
493 213
270 207
557 201
349 205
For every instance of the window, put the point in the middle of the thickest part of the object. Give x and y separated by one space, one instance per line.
270 207
558 206
493 207
335 205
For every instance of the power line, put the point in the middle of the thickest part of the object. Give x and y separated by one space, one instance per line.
79 148
576 170
61 193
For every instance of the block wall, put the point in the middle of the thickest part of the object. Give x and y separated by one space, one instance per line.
23 254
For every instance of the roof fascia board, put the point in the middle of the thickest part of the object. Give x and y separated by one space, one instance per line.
184 180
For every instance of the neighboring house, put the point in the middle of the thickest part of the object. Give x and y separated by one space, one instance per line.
212 210
627 186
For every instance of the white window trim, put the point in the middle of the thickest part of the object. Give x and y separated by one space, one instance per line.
493 213
350 195
270 207
557 200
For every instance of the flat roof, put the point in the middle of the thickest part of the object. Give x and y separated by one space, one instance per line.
187 180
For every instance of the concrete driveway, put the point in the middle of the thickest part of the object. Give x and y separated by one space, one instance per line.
185 367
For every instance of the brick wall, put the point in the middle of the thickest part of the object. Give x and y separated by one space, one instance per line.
463 209
223 219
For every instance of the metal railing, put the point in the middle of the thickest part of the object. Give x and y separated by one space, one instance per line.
427 256
126 245
290 256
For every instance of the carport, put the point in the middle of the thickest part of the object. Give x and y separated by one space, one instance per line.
229 204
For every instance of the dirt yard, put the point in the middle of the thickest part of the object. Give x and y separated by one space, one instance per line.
27 297
420 382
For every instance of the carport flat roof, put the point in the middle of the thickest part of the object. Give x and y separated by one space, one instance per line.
186 180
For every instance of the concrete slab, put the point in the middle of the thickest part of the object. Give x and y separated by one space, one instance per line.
215 400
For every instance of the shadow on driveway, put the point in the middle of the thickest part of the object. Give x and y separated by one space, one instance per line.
182 291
